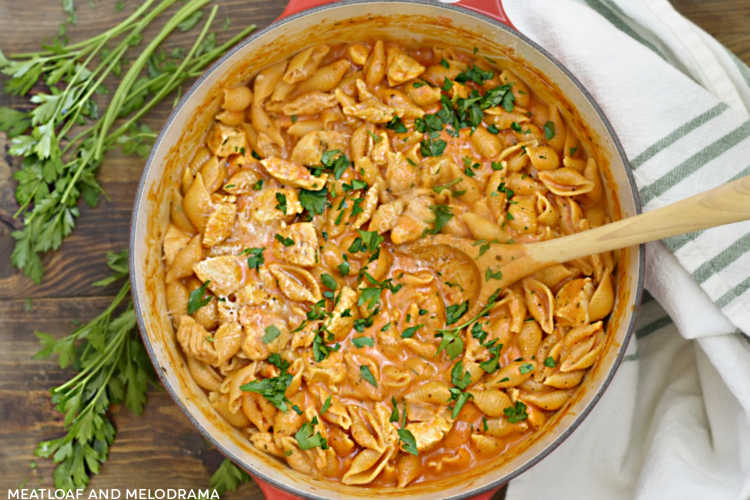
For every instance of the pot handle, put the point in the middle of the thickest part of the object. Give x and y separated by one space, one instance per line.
271 492
491 8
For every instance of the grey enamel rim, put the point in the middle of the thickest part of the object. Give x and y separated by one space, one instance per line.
450 8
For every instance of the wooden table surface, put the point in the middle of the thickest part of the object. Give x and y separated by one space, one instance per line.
159 449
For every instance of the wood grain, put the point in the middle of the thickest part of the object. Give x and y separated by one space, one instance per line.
161 448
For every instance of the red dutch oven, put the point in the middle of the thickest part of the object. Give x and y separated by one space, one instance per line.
465 24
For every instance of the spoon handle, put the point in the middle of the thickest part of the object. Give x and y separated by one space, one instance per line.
722 205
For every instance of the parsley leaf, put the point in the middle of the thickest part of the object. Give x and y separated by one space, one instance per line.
281 202
396 125
549 361
516 413
273 389
459 377
313 201
227 477
255 259
328 281
432 146
366 374
549 130
443 214
198 298
307 440
489 274
326 405
362 341
272 333
451 343
475 74
454 312
409 332
286 241
408 441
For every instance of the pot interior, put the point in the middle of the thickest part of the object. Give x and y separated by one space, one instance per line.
408 23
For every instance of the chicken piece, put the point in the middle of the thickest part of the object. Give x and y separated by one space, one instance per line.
303 248
386 216
310 148
263 207
224 140
220 223
222 275
310 103
401 67
293 174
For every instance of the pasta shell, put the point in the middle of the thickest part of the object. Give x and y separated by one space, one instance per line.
572 302
186 259
401 67
603 299
195 341
296 283
429 434
197 203
175 240
366 466
430 392
204 375
338 324
491 402
224 140
566 182
540 303
220 223
310 148
548 401
304 63
310 103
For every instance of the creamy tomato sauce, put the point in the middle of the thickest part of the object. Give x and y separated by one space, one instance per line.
305 314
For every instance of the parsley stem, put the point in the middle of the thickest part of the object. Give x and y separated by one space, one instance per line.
79 47
135 69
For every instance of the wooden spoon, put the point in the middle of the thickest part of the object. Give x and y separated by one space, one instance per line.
500 265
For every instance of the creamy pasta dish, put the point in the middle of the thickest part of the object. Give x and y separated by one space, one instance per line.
301 309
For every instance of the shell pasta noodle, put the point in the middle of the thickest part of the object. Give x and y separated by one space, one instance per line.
298 306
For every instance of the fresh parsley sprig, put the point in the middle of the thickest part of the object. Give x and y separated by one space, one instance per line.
112 367
59 168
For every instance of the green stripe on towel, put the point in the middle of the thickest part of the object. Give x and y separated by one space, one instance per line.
722 259
676 242
680 132
695 162
653 326
733 293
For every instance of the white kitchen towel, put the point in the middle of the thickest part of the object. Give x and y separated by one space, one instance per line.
675 422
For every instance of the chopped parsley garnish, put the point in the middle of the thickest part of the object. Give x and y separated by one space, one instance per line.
286 241
526 368
198 298
255 257
489 274
549 361
454 312
573 151
409 443
396 124
313 201
369 296
496 165
273 389
459 377
307 440
475 74
502 188
394 413
448 185
549 130
445 63
516 413
443 214
451 343
447 85
366 374
328 281
409 332
386 327
432 146
335 160
326 405
344 268
515 126
272 333
363 341
492 129
355 185
258 185
281 202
